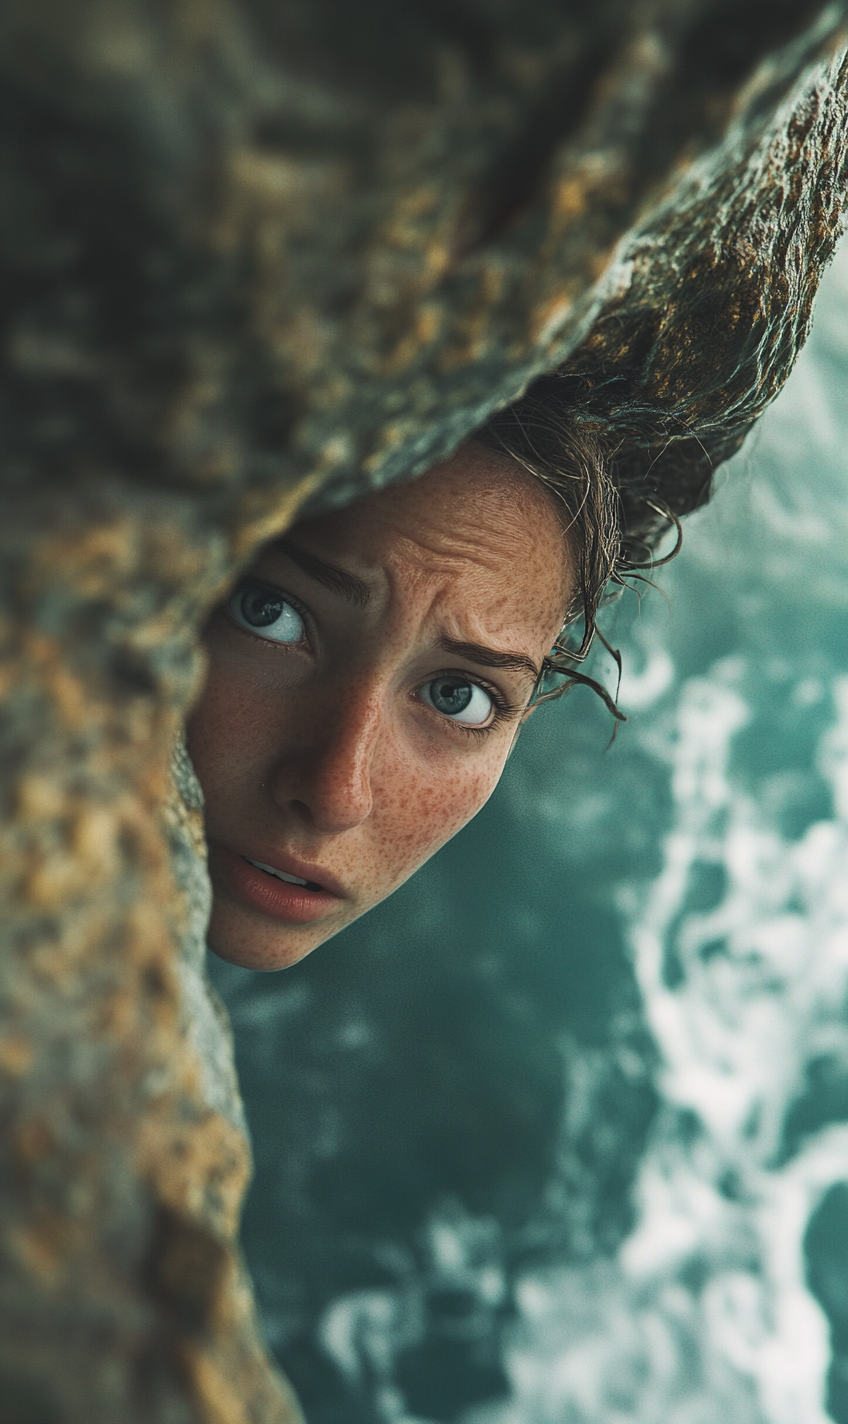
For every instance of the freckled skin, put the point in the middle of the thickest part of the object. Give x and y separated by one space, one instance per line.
327 752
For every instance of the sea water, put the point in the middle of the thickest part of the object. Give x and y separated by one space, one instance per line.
559 1135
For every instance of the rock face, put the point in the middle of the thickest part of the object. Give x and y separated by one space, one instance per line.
258 257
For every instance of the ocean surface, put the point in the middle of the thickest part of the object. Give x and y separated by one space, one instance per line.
559 1135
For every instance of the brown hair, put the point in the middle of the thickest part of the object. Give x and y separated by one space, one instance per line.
622 490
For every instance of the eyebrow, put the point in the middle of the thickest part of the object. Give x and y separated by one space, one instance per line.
337 580
490 657
354 590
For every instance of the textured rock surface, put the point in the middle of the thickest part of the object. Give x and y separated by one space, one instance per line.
258 255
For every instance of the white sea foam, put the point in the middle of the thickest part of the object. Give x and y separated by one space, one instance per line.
705 1314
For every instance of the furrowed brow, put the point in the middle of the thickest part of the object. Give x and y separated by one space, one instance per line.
491 657
339 581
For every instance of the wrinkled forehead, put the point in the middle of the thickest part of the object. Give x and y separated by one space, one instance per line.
479 504
477 542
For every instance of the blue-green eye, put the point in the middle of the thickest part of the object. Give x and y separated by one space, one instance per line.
458 699
266 613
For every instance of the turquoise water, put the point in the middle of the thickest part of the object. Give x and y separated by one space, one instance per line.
559 1135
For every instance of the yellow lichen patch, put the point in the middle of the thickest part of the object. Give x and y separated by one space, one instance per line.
37 1251
405 228
264 516
45 660
80 853
218 1393
276 178
424 329
391 436
140 836
471 330
201 1165
39 797
49 1244
147 1004
550 317
232 1382
53 879
438 256
569 201
94 843
272 196
165 552
88 559
301 340
32 1140
101 562
16 1054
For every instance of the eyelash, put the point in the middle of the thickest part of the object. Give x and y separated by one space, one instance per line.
502 707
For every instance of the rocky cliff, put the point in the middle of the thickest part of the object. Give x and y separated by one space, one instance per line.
260 256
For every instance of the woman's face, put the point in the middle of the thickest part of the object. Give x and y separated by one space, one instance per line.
366 682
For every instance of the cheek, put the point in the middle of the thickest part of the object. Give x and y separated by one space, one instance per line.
420 815
225 731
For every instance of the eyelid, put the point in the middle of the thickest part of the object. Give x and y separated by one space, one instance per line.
501 702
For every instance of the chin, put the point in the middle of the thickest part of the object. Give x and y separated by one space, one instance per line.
263 947
262 960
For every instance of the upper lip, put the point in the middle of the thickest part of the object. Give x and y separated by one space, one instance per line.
290 865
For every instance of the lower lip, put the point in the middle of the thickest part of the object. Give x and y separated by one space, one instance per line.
293 904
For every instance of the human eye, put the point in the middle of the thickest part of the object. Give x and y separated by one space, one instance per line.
266 612
459 699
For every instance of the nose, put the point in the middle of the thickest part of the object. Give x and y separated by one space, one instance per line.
324 778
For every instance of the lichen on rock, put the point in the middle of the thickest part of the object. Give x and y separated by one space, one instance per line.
262 257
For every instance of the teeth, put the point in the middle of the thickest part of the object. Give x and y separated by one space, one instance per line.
280 874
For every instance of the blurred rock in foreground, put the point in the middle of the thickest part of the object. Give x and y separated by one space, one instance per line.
257 255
